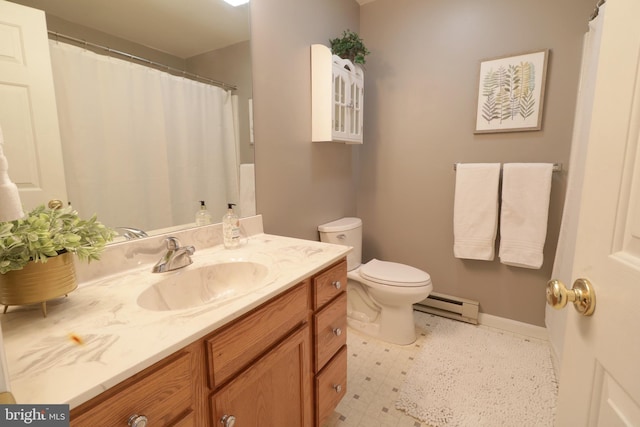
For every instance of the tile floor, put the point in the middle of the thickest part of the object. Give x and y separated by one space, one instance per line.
375 372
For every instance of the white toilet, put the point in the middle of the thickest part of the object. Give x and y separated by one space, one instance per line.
380 294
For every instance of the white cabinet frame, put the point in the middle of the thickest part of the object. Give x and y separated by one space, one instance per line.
337 98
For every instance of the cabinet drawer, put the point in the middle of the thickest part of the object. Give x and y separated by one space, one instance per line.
163 393
329 284
331 386
330 330
247 338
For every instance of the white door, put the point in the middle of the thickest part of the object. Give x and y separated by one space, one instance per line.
600 375
28 114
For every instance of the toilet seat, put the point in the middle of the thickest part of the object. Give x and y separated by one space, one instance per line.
394 274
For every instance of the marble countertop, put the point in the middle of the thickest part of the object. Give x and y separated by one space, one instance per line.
99 336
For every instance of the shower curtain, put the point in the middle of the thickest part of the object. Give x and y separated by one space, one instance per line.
563 264
141 147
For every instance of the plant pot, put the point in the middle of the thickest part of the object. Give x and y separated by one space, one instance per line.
38 282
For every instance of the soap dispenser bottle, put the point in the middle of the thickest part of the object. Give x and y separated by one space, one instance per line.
231 228
203 217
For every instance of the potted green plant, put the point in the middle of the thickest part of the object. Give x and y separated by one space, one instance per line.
350 46
35 254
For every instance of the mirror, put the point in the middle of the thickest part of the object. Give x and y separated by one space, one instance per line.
206 38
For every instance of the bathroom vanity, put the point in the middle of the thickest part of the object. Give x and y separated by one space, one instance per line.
273 357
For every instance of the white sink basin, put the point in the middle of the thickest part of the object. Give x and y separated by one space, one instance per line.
210 284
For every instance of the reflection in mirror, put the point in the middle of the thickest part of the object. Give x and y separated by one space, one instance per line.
142 146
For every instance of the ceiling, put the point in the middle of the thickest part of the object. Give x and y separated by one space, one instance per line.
182 28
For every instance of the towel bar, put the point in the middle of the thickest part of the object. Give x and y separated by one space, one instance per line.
557 167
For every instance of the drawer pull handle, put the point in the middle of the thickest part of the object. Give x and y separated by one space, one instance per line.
337 388
228 420
337 332
137 421
337 284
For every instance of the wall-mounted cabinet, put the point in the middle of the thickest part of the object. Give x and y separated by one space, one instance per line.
337 97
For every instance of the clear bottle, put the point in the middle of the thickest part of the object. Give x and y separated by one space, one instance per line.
203 217
231 228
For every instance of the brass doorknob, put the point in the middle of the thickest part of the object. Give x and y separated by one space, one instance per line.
582 295
55 204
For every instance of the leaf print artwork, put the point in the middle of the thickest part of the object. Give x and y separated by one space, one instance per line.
511 93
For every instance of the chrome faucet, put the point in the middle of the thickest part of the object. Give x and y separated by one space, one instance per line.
133 233
176 257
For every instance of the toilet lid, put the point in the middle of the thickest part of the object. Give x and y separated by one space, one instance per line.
394 274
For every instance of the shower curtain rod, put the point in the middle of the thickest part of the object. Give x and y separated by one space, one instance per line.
557 167
172 70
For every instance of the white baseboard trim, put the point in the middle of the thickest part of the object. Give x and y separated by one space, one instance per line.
514 326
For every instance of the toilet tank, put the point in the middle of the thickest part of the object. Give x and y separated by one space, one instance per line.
345 231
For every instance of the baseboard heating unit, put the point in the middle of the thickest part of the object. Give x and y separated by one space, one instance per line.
448 306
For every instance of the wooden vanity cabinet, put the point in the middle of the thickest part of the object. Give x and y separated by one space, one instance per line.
260 365
330 339
235 346
301 380
167 394
273 392
281 364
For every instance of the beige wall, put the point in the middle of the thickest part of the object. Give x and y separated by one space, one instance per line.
299 185
421 87
420 95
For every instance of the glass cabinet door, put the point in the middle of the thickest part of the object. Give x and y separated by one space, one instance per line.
340 102
355 110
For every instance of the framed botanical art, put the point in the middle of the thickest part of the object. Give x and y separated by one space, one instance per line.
511 93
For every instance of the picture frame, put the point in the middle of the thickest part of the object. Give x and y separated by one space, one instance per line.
511 93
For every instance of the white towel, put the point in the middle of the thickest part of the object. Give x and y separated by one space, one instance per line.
475 212
247 190
525 208
11 206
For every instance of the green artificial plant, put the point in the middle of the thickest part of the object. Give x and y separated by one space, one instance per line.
350 46
45 233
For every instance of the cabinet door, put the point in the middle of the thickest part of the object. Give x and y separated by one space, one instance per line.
355 111
348 97
339 119
28 112
273 392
